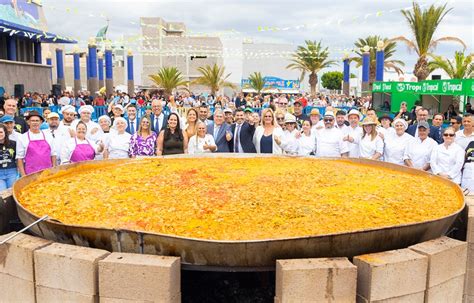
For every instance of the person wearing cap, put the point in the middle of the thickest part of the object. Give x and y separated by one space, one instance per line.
385 125
35 149
466 135
369 143
229 116
307 141
397 143
79 148
9 122
418 153
8 166
242 133
69 116
117 145
422 115
330 140
267 134
116 112
316 121
289 140
447 159
94 131
52 121
10 107
298 113
354 131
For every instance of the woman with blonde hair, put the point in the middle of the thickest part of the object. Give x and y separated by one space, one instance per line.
267 136
447 158
143 142
201 142
191 126
369 142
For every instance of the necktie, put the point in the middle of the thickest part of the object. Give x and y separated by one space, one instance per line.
157 126
132 128
237 138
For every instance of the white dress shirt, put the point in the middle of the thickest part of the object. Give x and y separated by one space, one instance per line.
395 147
448 160
463 140
330 143
419 152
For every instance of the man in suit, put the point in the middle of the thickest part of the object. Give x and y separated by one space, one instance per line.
204 114
159 120
422 115
221 132
132 119
242 133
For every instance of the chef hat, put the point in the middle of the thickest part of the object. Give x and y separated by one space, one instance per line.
87 108
68 109
121 120
405 124
106 118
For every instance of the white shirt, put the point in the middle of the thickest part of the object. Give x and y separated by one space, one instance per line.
448 161
317 126
64 101
117 145
69 147
238 128
419 152
22 143
58 139
14 136
257 137
463 140
368 147
330 143
307 144
196 144
395 147
289 143
356 134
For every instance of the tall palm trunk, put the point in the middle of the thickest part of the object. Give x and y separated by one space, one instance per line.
313 81
421 70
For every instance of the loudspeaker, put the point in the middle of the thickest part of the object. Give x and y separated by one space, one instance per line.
435 77
56 90
19 90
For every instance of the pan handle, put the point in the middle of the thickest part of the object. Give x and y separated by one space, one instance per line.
24 229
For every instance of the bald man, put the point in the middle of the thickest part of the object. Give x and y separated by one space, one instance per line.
10 108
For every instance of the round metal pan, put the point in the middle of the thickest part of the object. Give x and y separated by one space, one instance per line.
199 254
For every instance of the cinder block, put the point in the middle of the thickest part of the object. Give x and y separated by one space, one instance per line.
469 283
315 280
446 259
140 277
449 291
391 274
470 224
411 298
54 295
468 299
469 199
68 267
470 256
16 256
13 289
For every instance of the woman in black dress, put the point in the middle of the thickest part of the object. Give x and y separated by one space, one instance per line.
173 140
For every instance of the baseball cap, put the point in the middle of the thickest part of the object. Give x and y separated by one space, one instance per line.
53 115
423 124
329 114
7 118
315 112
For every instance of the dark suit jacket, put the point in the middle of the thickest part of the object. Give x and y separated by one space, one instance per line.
246 137
163 125
434 132
135 122
220 139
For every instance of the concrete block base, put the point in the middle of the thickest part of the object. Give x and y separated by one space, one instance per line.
13 289
449 291
52 295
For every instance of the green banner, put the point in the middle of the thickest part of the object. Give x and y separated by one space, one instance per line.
454 87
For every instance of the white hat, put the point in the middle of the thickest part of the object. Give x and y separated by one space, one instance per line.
354 112
106 118
87 108
403 122
289 118
119 107
53 115
228 110
68 109
329 114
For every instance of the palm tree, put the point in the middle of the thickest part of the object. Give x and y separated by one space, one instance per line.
460 68
423 25
169 78
311 59
256 81
389 50
213 77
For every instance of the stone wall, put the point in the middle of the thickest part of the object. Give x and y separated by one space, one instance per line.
35 77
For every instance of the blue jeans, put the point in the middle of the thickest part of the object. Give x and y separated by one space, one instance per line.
8 176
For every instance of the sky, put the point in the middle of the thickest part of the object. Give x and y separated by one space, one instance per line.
337 23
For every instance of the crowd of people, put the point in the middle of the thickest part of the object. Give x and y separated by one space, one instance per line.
143 126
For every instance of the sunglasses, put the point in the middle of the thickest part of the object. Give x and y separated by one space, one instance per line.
328 120
449 135
453 123
280 119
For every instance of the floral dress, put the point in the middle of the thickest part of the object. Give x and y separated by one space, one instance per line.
140 146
